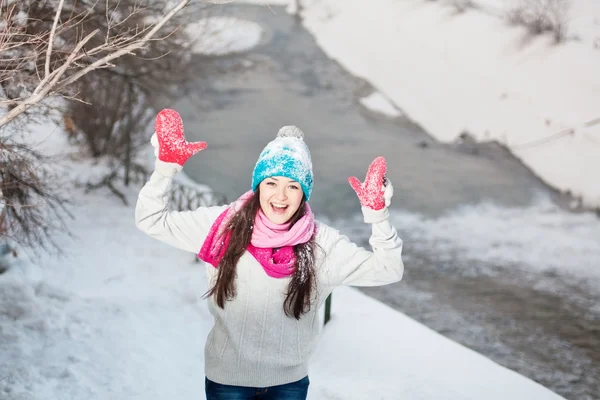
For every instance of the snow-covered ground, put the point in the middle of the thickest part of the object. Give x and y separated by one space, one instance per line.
378 103
223 35
471 71
540 238
120 316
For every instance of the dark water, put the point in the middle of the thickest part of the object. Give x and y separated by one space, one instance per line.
540 324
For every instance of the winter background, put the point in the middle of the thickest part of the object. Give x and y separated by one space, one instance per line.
120 315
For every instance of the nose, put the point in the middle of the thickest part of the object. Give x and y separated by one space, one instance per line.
281 193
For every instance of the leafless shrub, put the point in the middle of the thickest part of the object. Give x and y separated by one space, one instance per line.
45 47
541 16
34 208
184 197
113 119
49 45
69 49
113 107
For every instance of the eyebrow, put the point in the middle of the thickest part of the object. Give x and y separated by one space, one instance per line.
277 180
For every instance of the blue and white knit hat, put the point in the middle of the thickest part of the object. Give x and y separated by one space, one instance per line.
287 155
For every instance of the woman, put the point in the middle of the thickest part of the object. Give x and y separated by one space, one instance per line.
270 264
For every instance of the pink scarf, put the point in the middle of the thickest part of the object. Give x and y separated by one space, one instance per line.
266 237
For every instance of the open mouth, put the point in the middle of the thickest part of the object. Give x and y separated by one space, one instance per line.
279 208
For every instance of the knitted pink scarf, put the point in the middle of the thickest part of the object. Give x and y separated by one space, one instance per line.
271 245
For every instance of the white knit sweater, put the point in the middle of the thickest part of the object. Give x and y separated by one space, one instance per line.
253 343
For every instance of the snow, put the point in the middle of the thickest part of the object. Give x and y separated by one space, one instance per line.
292 8
378 103
121 315
393 357
267 2
20 18
291 5
471 71
540 238
223 35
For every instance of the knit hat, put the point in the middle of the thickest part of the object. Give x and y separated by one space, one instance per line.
287 155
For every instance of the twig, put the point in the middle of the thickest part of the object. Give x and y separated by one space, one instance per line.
51 39
117 193
52 83
126 50
592 122
555 136
544 140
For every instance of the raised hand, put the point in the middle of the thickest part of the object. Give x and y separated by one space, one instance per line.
172 146
371 191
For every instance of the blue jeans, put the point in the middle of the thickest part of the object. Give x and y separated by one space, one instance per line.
290 391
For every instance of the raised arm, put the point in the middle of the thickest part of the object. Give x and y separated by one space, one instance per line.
348 264
185 230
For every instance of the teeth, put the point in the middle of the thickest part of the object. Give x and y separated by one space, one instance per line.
279 205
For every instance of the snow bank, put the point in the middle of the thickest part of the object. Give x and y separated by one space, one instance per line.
471 71
223 35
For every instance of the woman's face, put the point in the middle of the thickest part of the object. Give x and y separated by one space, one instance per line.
280 198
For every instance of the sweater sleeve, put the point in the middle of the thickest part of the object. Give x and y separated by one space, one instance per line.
346 263
185 230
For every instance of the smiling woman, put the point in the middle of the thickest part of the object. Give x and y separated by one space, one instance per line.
270 264
280 198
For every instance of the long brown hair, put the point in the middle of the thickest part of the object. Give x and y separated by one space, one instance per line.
300 289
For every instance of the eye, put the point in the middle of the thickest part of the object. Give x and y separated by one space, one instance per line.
270 183
295 187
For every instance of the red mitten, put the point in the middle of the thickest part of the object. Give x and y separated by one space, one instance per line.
172 146
371 192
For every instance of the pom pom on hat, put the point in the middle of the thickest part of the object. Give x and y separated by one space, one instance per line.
290 131
287 155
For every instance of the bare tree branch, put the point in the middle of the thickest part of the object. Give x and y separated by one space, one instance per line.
52 83
52 33
68 49
126 50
